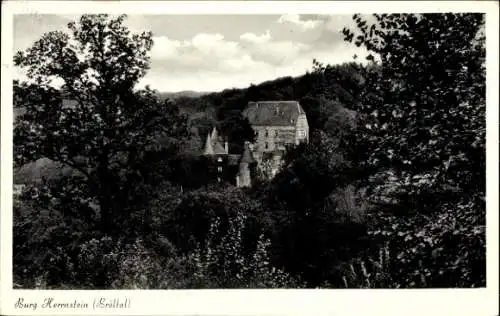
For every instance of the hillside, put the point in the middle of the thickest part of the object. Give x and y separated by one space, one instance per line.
181 94
340 85
329 107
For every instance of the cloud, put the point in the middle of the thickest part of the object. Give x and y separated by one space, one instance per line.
163 47
211 62
258 39
202 52
216 54
295 20
278 53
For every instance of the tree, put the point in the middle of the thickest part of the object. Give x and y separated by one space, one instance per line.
238 130
317 220
424 114
97 122
315 169
203 124
426 105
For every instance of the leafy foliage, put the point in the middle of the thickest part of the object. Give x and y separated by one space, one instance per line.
189 222
223 261
424 112
239 130
96 123
426 106
432 250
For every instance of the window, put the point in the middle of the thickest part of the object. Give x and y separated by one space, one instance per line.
267 134
219 159
302 133
266 145
276 133
219 169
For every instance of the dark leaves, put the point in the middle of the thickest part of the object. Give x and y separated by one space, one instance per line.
96 114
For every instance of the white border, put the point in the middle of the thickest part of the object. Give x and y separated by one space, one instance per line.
259 302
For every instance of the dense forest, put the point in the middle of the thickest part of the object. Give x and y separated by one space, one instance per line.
388 193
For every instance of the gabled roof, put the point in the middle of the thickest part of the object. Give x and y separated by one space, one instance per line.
277 113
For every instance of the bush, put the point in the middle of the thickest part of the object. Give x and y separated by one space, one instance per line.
189 222
45 244
142 268
445 249
221 262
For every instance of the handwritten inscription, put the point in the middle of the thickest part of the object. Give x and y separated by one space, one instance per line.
111 303
50 302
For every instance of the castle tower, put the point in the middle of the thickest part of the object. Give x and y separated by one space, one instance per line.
243 179
276 162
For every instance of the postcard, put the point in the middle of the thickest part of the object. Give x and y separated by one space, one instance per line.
249 158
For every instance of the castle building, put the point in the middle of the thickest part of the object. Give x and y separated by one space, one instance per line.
277 124
237 166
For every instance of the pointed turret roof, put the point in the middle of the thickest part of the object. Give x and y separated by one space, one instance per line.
246 157
218 148
214 145
215 134
209 150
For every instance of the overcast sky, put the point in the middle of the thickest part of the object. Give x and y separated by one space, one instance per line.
215 52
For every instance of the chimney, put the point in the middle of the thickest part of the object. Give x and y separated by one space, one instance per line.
226 147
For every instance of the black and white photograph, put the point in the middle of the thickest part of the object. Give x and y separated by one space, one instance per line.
248 151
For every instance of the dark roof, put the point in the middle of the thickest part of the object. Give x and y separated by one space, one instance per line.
278 113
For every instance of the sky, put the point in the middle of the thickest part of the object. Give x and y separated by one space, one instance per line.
217 52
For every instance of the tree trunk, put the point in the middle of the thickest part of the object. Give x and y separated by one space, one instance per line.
105 195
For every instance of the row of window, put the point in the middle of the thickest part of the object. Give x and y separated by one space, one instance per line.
301 133
266 133
277 145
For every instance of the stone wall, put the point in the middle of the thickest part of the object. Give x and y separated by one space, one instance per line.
301 129
270 138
